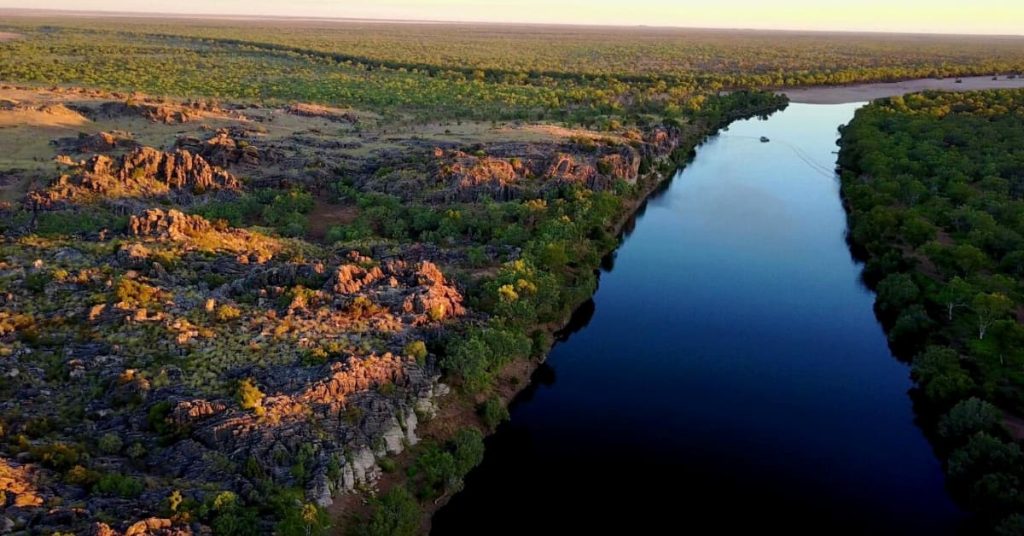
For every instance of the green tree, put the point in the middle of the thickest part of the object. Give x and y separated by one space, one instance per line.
990 307
896 292
969 417
957 293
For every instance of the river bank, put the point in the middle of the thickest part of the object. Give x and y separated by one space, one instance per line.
869 92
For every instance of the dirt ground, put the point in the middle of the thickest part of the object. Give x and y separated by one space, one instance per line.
868 92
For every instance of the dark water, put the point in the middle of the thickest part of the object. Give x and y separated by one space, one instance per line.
730 375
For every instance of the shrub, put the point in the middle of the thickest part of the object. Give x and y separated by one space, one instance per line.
250 396
226 313
110 443
58 456
393 514
136 451
305 520
80 476
493 412
137 294
468 359
441 468
387 465
119 485
416 349
36 281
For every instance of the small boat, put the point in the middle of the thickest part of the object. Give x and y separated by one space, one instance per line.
764 139
959 80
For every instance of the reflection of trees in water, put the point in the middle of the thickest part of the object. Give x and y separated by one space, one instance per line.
580 319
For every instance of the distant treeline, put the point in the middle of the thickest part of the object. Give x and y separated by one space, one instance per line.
495 72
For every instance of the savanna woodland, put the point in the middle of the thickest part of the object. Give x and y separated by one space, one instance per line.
284 276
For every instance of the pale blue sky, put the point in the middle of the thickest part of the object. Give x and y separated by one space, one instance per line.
943 16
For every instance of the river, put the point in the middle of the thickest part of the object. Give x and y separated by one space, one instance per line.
728 374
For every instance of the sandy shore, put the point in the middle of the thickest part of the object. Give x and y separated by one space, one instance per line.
867 92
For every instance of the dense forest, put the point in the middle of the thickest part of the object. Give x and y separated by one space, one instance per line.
934 184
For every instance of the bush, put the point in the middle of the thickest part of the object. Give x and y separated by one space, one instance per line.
493 412
393 514
250 396
440 468
68 222
305 520
58 456
36 281
110 443
469 360
416 349
80 476
136 294
119 485
226 313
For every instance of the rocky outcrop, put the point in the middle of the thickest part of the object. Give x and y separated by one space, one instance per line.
158 112
223 149
623 165
570 168
418 291
16 486
196 232
188 413
143 172
337 416
351 278
96 143
505 174
153 526
323 112
170 225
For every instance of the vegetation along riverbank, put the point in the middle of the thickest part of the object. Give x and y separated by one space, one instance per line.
933 183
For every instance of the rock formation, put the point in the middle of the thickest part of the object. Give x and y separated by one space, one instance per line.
316 110
96 143
143 172
195 232
223 148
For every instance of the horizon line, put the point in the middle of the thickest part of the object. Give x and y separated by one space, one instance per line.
256 17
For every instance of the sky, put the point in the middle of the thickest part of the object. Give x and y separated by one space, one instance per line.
929 16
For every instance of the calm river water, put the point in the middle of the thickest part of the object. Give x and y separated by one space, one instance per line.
729 375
